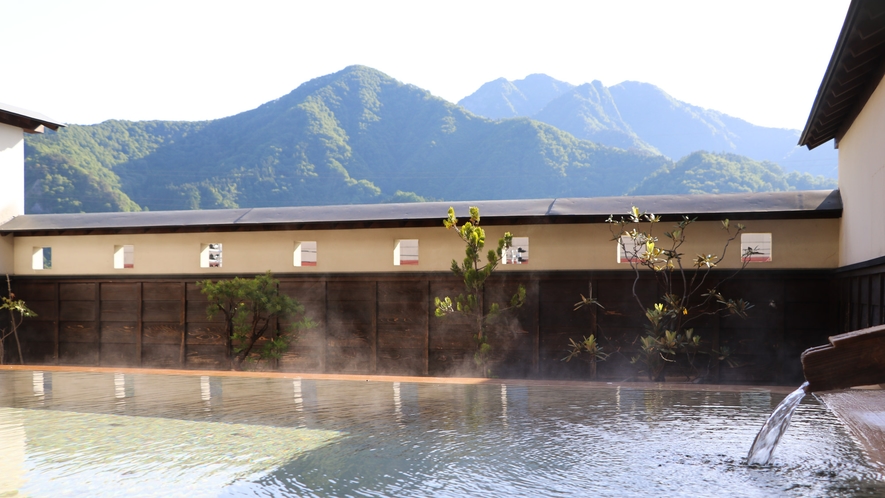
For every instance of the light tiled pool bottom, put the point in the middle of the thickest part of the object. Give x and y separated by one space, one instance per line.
90 454
95 434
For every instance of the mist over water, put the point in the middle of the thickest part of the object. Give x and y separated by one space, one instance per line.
303 437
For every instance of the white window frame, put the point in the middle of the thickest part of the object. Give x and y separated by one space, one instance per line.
518 254
404 251
305 253
37 260
210 254
120 257
758 241
625 244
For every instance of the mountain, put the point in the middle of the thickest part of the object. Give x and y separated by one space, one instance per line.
706 173
73 170
355 136
589 111
509 99
640 115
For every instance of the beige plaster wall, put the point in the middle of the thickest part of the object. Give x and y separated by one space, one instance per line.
796 244
12 172
862 183
7 255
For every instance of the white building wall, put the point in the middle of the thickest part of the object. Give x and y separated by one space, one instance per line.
12 172
12 186
862 183
799 244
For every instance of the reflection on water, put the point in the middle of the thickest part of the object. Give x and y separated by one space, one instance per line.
128 435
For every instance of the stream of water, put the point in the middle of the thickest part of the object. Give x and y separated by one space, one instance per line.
767 439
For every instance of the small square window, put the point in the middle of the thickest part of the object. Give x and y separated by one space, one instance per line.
405 252
756 247
518 254
210 255
124 257
306 253
41 258
631 250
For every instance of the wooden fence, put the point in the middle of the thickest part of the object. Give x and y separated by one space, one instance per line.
384 324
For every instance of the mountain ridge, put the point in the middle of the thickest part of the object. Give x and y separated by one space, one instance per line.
354 136
642 115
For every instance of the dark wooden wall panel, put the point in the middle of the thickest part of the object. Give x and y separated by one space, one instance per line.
307 352
162 333
207 357
37 331
512 333
77 311
161 291
45 310
205 333
35 291
350 326
77 291
119 292
118 332
78 332
78 354
560 321
385 323
160 355
118 311
402 327
161 311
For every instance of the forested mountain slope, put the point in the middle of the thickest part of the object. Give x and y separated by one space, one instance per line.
355 136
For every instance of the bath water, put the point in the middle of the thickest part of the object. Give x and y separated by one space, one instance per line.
105 434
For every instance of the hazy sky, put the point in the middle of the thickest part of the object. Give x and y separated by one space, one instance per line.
86 61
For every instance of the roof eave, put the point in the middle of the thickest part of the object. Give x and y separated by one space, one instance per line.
847 26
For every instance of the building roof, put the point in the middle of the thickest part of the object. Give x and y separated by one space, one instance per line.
30 121
854 72
771 205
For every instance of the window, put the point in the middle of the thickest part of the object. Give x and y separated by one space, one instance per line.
406 252
756 247
629 250
210 255
124 257
518 254
306 253
41 258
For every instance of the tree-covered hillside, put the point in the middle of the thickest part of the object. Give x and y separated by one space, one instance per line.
360 136
706 173
73 170
356 136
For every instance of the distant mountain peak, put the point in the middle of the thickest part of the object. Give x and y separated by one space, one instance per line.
639 115
502 98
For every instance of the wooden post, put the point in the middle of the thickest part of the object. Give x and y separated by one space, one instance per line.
536 327
325 325
139 328
373 360
57 323
98 317
182 352
429 314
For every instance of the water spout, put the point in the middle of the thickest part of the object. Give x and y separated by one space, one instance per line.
767 439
